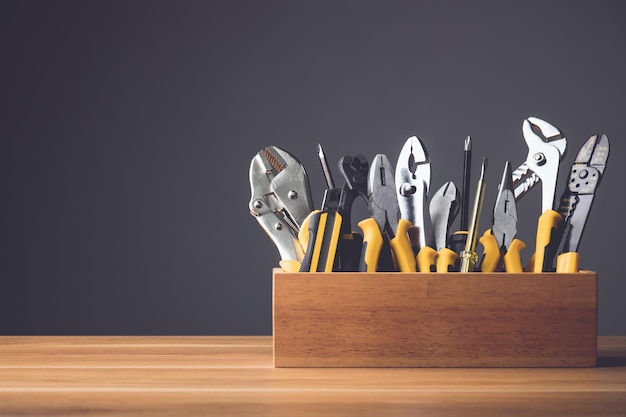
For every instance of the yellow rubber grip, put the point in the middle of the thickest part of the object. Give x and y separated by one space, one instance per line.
548 220
303 234
372 244
402 249
568 262
426 259
491 252
512 258
334 240
289 265
445 258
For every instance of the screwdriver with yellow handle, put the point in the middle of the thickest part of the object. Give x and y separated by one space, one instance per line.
321 231
501 247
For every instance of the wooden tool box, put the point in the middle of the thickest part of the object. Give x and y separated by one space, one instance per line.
353 319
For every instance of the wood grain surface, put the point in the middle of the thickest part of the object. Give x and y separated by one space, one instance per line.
443 320
235 376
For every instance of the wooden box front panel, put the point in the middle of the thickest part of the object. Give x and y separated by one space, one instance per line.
434 320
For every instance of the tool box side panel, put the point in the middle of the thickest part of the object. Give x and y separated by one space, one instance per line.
396 319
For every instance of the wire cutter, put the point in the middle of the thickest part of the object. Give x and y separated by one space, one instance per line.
281 198
354 170
546 148
385 235
585 175
501 247
444 206
412 180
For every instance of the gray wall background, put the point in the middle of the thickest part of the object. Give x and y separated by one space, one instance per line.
127 130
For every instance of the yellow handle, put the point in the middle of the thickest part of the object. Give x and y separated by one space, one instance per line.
446 258
491 252
332 242
401 247
426 259
372 244
289 265
567 262
512 258
548 220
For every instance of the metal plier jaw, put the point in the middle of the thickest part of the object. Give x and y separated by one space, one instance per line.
504 218
281 198
444 206
383 203
546 148
412 183
576 201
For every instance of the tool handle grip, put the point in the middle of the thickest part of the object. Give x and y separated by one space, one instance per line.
289 265
308 239
512 258
402 249
546 227
446 259
349 250
491 252
568 262
372 244
426 259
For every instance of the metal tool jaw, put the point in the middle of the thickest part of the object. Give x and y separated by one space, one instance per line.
546 148
585 176
354 170
381 190
444 206
281 198
412 183
504 222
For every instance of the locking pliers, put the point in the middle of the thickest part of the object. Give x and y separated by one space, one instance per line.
546 148
281 198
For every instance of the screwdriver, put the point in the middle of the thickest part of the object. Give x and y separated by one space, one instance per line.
458 239
320 231
469 256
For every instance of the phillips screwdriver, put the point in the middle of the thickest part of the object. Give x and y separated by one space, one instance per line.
469 256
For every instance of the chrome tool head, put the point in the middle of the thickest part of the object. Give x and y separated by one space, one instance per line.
412 183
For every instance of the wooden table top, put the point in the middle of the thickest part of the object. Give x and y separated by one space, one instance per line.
234 376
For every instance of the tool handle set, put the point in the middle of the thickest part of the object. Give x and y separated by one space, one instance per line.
410 229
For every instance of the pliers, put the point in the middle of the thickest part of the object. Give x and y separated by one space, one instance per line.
585 175
502 248
281 198
384 232
546 148
444 206
354 170
413 182
327 233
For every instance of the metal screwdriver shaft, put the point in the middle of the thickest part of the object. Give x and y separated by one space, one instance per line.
467 169
327 175
469 256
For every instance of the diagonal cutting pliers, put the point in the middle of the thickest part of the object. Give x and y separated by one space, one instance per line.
501 247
